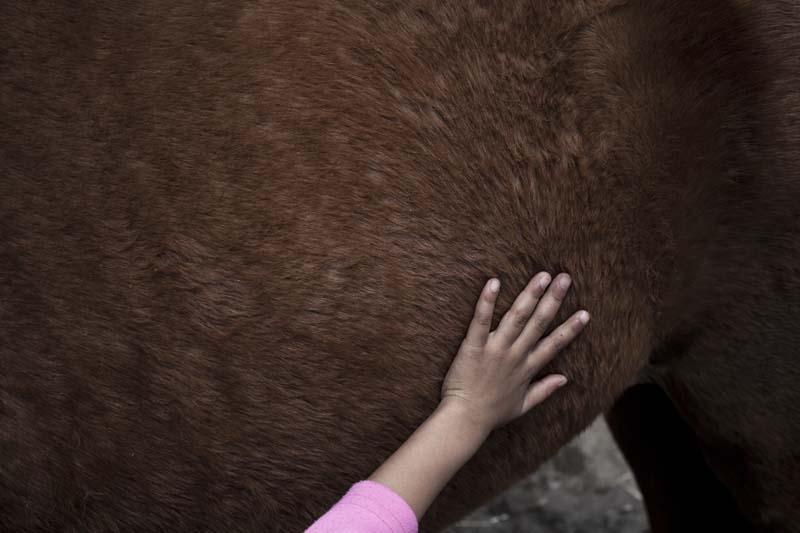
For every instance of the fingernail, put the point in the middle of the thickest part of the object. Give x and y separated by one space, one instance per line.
583 316
494 285
565 281
545 281
561 382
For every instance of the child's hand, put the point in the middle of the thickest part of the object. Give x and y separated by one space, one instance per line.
490 378
489 384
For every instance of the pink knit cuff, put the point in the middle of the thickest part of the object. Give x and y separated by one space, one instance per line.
370 507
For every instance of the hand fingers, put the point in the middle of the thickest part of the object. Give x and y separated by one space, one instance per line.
545 311
517 317
540 390
481 323
544 352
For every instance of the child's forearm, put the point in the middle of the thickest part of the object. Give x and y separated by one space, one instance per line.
424 464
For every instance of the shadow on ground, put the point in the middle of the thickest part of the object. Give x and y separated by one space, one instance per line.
586 488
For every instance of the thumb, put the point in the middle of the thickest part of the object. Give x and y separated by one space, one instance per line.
540 390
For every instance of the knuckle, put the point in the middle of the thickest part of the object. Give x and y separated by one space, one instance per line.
473 347
537 327
547 312
484 304
533 366
558 343
562 343
483 319
519 317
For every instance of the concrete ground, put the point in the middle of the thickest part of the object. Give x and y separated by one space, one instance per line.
586 488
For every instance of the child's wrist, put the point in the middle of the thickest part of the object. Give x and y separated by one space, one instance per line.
464 418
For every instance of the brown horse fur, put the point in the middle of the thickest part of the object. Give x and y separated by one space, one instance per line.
240 242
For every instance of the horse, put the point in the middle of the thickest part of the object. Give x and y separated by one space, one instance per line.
240 243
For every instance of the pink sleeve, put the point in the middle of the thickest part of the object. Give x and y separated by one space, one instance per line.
368 507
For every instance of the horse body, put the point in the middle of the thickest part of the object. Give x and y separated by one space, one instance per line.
241 243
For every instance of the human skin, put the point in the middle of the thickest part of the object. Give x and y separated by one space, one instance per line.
490 383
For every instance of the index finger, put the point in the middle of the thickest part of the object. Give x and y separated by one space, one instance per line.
478 333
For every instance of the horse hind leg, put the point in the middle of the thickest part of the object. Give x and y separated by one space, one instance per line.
681 493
